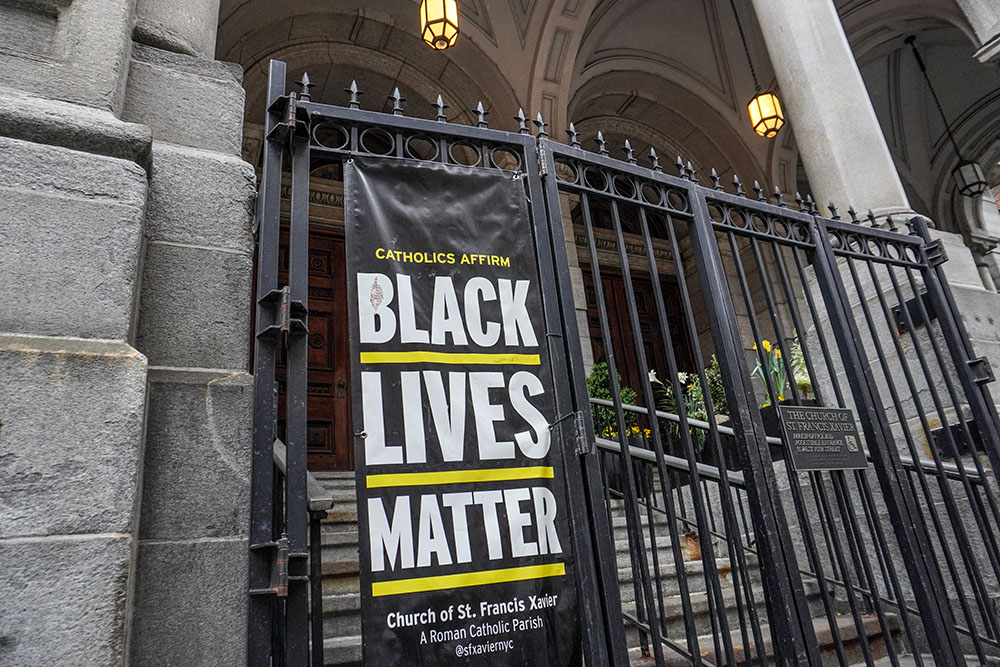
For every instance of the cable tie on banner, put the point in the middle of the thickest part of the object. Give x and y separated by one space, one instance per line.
566 416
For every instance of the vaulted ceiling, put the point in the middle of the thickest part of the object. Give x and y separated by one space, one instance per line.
670 74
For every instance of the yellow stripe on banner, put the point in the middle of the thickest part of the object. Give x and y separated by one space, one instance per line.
448 358
423 584
457 476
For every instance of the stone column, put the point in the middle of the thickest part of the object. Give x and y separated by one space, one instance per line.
827 104
183 26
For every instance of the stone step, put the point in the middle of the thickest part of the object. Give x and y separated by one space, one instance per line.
344 515
824 636
673 609
341 576
342 651
697 582
342 615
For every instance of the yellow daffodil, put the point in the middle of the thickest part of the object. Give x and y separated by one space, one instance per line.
767 345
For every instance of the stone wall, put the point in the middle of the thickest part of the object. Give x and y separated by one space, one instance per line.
125 405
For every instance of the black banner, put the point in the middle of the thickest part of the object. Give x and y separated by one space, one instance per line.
465 550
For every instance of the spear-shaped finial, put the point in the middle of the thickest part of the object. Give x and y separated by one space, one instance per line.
691 173
305 84
541 125
891 223
602 145
481 115
799 201
629 153
871 219
811 205
833 211
654 159
716 181
779 197
853 213
679 163
739 186
440 106
397 102
574 136
522 122
911 224
354 102
759 190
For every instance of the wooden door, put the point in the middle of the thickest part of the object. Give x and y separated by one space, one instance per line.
621 330
331 446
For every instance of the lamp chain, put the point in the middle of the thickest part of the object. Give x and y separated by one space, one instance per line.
746 49
911 40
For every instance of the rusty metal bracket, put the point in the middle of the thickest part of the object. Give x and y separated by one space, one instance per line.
982 371
936 254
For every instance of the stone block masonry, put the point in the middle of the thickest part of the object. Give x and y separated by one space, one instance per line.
125 405
71 422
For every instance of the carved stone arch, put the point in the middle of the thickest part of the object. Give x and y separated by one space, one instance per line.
551 83
664 114
910 121
336 48
869 24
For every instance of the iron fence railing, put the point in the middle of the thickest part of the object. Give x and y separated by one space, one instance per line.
725 552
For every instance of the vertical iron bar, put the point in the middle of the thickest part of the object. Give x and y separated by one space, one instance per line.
957 338
946 493
794 484
296 399
631 502
792 630
914 542
735 546
260 626
597 574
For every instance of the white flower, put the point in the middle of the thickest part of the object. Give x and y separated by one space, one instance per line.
683 377
652 375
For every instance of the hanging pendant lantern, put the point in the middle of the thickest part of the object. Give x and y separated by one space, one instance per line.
968 175
970 178
765 114
439 23
765 109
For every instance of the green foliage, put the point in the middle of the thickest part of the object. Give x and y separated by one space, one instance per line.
800 373
716 387
599 386
693 395
770 367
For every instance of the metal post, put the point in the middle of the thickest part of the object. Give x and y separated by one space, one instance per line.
294 326
262 537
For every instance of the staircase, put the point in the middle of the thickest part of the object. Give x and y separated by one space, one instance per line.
341 583
342 603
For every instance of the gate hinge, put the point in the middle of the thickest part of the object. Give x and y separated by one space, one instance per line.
279 571
936 254
542 171
581 444
290 313
982 371
584 445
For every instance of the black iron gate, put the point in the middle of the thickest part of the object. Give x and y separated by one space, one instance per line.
698 538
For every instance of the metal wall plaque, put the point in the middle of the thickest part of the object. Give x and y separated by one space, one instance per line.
823 438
